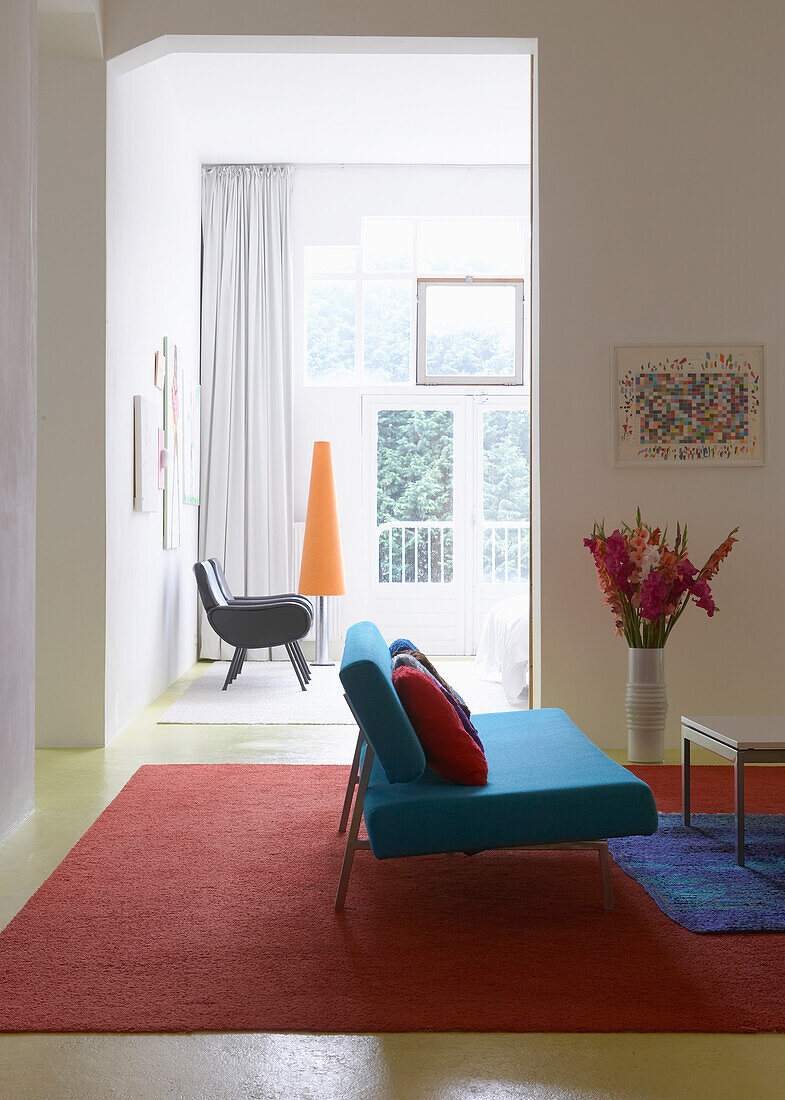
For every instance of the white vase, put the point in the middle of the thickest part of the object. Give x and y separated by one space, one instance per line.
647 706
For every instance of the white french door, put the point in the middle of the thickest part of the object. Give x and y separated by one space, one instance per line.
500 531
416 517
446 514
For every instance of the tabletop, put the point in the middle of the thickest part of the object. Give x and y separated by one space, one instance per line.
758 731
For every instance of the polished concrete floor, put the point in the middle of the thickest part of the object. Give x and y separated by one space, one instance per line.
74 786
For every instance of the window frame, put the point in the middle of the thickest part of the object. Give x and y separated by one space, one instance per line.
422 377
361 275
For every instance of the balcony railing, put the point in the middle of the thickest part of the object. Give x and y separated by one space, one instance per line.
415 553
505 553
422 552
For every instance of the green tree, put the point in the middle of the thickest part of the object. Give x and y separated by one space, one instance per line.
330 331
387 329
505 482
414 465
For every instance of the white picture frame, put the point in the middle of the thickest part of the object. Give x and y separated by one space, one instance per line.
687 405
147 422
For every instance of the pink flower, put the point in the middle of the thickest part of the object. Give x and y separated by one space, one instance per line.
654 596
638 544
617 562
686 571
701 593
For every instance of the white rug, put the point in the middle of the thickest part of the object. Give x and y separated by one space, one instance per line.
267 693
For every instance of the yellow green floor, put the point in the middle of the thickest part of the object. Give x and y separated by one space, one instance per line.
74 786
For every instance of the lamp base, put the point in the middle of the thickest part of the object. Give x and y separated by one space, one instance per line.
322 631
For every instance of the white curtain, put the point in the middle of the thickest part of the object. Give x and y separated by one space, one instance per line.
246 359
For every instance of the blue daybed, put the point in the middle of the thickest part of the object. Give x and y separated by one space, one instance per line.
548 785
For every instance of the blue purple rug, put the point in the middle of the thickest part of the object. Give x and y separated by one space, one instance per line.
693 876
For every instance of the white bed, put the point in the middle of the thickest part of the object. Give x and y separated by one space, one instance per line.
503 650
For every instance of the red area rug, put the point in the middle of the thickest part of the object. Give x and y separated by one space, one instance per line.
201 899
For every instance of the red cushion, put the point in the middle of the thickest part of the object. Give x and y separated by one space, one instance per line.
448 748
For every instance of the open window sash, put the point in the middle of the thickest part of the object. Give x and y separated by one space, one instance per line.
470 332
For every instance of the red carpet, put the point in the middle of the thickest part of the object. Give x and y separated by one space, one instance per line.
202 899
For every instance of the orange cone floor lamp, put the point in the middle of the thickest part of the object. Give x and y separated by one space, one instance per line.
321 571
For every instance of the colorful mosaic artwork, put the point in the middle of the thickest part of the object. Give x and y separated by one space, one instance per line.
703 405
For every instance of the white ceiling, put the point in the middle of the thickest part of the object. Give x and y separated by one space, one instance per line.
389 108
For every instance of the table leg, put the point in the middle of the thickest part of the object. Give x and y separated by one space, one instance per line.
685 778
738 769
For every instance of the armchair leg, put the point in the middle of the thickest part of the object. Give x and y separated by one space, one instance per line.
353 844
293 659
354 776
240 663
232 667
300 657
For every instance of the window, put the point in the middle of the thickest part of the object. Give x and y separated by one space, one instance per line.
470 330
361 302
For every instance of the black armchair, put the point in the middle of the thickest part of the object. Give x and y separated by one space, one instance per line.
253 622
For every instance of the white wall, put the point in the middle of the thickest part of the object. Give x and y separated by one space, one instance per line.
153 259
71 538
334 412
17 408
660 218
357 107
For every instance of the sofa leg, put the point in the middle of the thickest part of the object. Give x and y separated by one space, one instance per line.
605 870
354 776
353 844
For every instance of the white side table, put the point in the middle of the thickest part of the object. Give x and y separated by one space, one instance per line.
758 739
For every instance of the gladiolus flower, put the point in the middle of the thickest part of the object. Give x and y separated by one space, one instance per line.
712 566
638 544
617 562
701 593
650 560
646 584
654 596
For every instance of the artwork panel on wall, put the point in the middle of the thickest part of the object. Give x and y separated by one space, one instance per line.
191 442
687 404
173 492
159 370
146 448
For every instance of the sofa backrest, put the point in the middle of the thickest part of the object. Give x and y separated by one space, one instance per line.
367 680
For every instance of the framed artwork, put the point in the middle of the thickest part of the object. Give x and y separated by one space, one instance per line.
173 492
687 404
191 421
159 370
146 445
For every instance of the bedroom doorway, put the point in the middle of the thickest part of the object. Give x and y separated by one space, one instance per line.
446 493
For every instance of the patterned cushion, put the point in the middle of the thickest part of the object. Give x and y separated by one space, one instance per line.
429 667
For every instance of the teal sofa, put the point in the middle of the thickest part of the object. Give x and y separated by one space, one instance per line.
548 784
